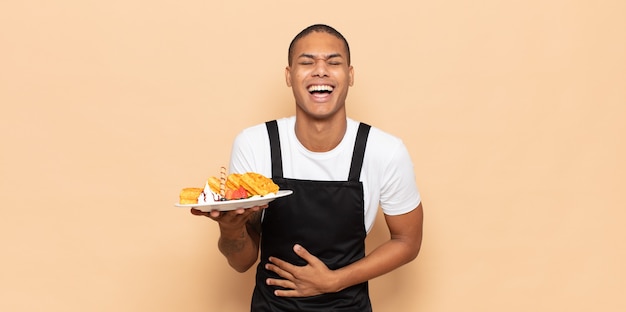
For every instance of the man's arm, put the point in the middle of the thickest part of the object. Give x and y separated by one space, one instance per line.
402 247
240 244
315 277
240 233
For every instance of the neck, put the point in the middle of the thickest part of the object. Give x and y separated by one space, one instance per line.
321 135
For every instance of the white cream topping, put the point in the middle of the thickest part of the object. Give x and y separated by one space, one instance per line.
207 196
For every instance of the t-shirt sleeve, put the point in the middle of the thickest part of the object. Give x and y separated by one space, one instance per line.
399 193
250 152
239 160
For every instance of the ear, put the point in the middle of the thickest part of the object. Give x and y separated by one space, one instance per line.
288 76
351 74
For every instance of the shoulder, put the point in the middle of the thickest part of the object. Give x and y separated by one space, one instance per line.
260 130
382 145
380 137
376 135
385 153
389 170
251 149
253 131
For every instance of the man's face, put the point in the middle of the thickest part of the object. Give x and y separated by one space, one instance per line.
319 75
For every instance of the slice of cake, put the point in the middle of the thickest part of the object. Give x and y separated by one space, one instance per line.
190 195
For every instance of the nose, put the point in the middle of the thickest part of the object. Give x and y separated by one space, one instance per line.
320 69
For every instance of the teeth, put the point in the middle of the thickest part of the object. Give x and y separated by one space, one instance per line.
321 88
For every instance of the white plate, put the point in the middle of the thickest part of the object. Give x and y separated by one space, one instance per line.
228 205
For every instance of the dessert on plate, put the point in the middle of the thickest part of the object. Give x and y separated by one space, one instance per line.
229 187
189 195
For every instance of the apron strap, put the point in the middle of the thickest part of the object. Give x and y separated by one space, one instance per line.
359 152
277 162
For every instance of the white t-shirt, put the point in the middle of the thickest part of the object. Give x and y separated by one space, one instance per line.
387 173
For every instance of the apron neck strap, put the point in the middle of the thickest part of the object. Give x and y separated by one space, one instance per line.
357 154
277 162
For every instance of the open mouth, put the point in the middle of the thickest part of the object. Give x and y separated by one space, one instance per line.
320 90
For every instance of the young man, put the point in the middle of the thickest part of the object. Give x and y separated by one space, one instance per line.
312 242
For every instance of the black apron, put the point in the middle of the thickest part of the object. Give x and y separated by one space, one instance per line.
326 218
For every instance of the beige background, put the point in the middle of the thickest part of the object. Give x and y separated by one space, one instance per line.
513 112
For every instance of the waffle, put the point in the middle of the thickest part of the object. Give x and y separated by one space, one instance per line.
257 184
190 195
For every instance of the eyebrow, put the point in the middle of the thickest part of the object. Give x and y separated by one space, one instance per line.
326 57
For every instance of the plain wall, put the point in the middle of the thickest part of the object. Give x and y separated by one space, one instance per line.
513 112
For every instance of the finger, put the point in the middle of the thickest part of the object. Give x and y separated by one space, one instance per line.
280 283
304 254
214 213
276 268
282 265
256 208
287 293
196 212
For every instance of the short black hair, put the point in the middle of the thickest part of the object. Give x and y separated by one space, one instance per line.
317 28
